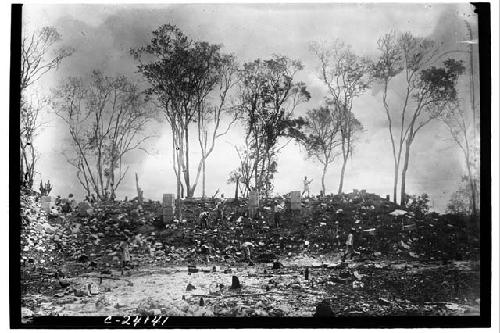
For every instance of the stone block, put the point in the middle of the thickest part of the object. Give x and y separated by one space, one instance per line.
253 199
46 203
295 200
168 200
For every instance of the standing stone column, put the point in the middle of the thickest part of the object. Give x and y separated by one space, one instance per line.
168 207
46 203
140 192
253 203
295 200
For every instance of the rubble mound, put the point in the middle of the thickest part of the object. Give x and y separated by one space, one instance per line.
76 241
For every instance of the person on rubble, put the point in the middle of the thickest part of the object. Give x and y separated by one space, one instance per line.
276 214
306 186
203 219
219 208
124 245
206 251
336 234
67 204
246 250
350 243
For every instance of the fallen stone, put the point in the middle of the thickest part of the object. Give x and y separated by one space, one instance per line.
235 284
277 265
323 309
398 212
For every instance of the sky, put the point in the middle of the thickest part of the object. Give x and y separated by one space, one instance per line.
103 34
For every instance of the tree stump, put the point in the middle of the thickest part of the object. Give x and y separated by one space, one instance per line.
235 283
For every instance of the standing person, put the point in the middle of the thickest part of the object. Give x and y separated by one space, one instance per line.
220 208
350 242
125 253
203 219
276 214
246 250
336 235
206 251
306 186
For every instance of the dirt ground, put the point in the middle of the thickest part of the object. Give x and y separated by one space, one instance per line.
355 288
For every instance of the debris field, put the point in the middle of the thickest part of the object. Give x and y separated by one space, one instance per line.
404 262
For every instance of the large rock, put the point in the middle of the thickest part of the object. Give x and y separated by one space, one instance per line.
323 309
235 283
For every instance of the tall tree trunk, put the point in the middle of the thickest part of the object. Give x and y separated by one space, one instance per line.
405 169
179 202
176 161
174 165
325 166
342 171
396 159
236 190
31 166
256 164
472 188
203 193
396 179
113 172
190 191
22 169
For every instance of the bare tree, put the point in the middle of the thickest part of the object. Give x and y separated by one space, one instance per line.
30 126
323 137
36 60
427 90
346 76
461 128
106 117
210 116
244 173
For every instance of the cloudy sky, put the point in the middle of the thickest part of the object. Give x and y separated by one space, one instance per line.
103 34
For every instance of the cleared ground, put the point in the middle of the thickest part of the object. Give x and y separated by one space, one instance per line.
361 288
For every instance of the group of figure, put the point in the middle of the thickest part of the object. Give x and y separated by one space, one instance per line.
67 205
349 243
218 211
